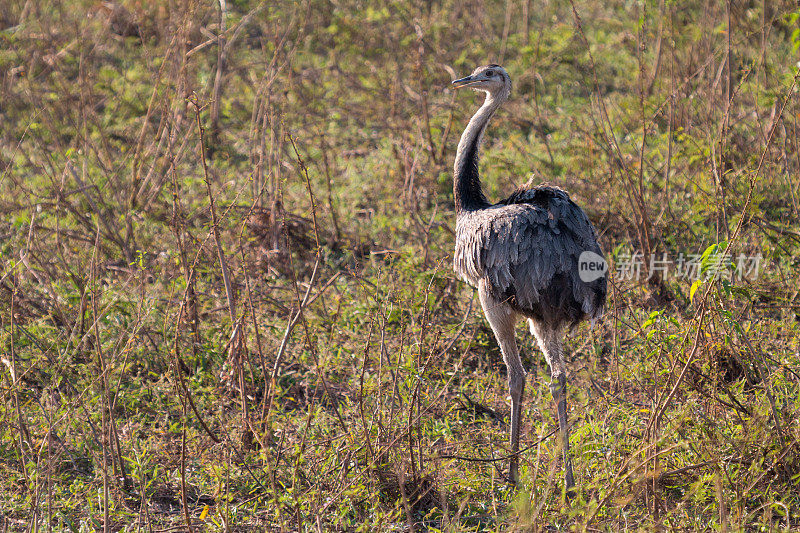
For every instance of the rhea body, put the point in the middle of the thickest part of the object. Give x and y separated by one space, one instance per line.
522 254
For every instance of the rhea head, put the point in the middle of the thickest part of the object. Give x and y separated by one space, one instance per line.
491 79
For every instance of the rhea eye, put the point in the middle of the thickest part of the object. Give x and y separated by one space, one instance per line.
489 73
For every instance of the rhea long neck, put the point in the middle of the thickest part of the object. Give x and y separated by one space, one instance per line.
466 179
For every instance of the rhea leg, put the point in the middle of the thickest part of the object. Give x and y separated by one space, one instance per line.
559 392
552 346
502 320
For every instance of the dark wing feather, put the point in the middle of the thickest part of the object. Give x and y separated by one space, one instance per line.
526 248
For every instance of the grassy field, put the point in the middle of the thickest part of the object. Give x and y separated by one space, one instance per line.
226 294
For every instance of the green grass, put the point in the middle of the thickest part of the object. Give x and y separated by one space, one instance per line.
356 385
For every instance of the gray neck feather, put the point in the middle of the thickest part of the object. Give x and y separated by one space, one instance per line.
466 179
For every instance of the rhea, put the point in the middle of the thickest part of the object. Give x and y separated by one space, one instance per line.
533 255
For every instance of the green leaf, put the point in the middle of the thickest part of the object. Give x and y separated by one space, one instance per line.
695 286
651 319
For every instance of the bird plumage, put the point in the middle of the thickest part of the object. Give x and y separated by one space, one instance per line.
527 248
522 254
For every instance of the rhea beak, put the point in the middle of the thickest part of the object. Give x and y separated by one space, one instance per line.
462 82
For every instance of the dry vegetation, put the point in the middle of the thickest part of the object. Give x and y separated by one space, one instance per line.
226 300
